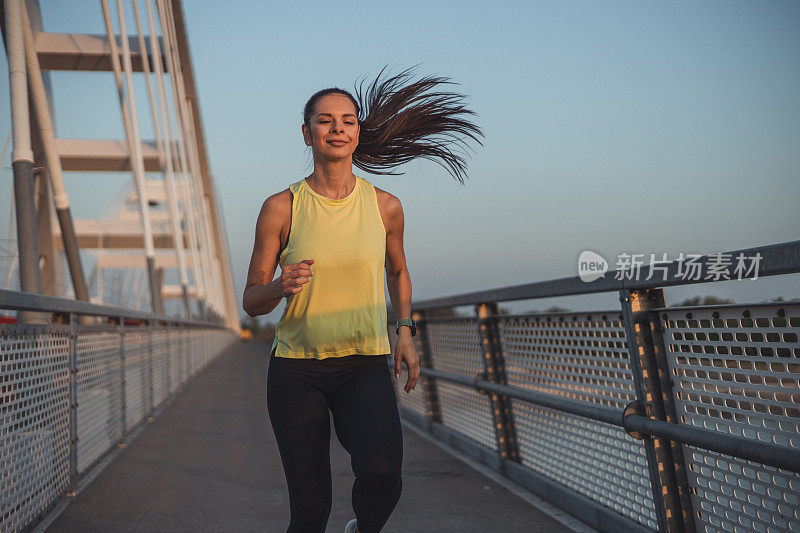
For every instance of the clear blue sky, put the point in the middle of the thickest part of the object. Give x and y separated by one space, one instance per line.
611 126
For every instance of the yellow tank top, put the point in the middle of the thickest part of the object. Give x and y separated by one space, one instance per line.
342 309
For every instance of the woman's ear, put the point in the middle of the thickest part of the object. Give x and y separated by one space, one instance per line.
306 134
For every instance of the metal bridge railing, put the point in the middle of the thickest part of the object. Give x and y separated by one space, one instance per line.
70 392
635 419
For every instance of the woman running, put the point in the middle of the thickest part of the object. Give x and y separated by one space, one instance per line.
333 234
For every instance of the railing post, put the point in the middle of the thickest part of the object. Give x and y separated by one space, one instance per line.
668 399
429 392
187 370
494 368
168 352
122 382
636 306
190 361
150 383
73 405
184 357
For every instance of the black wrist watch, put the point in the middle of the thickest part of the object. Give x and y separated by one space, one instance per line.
407 322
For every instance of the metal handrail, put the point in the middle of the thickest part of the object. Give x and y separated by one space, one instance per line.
24 301
138 368
769 454
662 434
776 259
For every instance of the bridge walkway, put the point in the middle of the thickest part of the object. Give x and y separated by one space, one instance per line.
209 462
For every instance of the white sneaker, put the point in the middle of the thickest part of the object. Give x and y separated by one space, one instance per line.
351 526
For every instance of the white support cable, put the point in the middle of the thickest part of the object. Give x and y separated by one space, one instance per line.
141 296
190 217
205 219
201 196
135 296
11 258
46 128
9 254
137 160
131 129
186 129
30 260
199 274
98 269
5 147
207 253
193 172
99 244
164 148
10 273
198 269
44 119
18 82
124 288
215 263
126 119
173 66
10 210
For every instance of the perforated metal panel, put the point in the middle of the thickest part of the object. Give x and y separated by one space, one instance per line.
173 348
206 346
456 347
99 393
582 357
35 414
137 382
198 351
180 356
159 361
172 358
34 421
737 371
193 360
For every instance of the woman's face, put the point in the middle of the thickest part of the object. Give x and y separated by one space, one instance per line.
333 128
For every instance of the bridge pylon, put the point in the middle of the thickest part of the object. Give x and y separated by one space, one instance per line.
169 224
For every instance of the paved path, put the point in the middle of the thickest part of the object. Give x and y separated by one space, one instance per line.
209 462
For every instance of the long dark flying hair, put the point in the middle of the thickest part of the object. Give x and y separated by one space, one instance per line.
402 120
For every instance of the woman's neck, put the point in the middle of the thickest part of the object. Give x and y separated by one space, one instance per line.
334 179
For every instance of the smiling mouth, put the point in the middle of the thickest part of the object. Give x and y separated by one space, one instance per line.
337 143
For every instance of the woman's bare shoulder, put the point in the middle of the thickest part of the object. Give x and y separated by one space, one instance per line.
391 210
387 202
276 213
279 203
385 198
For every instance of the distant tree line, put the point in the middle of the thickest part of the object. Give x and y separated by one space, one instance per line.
259 330
704 300
452 311
715 300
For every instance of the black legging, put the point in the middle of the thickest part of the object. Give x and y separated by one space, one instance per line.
358 391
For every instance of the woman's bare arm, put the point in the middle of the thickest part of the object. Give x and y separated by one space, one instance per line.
261 293
398 282
398 278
